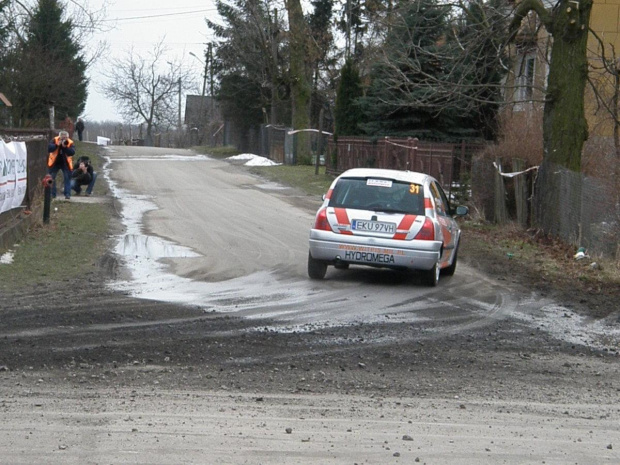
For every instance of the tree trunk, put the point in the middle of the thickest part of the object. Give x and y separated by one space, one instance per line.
565 130
300 86
564 123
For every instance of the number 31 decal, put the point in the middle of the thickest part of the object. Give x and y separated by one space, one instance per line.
414 189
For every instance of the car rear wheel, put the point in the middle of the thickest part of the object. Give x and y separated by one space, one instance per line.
316 268
431 277
449 271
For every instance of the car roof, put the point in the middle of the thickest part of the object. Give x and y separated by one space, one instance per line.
406 176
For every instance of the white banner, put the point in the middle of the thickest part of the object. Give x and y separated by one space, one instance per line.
13 174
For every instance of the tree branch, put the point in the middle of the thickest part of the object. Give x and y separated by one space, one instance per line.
546 18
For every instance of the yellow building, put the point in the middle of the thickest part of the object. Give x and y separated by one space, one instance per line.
525 84
603 42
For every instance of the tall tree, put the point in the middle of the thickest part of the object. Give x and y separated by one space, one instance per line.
250 49
298 70
321 47
481 66
358 19
402 98
49 67
439 71
348 113
564 124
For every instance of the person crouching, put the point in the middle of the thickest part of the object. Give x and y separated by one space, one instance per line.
83 175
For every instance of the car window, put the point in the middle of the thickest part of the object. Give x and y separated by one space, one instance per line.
379 195
441 203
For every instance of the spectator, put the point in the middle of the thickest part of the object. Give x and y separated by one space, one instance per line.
67 125
83 175
60 158
79 127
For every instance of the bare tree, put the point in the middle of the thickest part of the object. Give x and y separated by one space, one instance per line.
146 88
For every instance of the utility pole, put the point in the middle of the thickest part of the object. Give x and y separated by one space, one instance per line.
274 65
210 62
319 145
179 125
202 117
211 95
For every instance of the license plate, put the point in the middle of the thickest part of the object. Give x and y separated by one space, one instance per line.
373 226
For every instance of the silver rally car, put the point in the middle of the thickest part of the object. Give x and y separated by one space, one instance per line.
386 218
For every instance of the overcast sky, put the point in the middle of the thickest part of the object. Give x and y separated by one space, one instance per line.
142 24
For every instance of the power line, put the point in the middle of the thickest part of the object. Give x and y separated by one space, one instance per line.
160 16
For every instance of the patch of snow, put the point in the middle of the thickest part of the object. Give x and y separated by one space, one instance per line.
7 258
254 160
243 156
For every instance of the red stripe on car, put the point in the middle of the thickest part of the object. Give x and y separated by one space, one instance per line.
404 225
343 220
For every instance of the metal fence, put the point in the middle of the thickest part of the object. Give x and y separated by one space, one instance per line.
589 209
586 209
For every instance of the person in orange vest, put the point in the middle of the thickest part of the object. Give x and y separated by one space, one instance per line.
61 150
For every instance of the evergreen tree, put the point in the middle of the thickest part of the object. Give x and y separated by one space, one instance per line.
440 74
51 68
484 30
240 103
6 48
347 112
248 40
414 50
321 48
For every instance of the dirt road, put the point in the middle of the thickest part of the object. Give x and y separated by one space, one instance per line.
204 342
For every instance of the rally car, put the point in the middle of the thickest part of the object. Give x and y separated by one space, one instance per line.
386 218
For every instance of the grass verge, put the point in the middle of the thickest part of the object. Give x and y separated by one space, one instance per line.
216 152
66 248
301 177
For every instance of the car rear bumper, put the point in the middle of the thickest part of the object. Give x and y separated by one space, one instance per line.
389 253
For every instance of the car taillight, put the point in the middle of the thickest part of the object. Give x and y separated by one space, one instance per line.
321 221
427 233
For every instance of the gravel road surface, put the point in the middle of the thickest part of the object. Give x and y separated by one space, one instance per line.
203 341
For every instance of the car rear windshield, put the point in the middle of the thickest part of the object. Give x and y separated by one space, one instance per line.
378 194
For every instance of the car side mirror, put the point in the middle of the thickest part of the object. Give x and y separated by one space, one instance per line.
461 210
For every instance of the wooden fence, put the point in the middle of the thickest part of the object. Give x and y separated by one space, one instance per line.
443 161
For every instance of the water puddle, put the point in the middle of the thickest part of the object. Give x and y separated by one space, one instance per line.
150 279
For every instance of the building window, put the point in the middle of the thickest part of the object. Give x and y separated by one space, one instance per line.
525 78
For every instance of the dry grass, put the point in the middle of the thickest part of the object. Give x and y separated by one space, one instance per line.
520 138
543 263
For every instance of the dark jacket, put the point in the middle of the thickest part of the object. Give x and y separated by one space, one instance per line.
79 126
81 177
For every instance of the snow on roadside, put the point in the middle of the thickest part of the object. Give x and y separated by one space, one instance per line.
254 160
7 258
